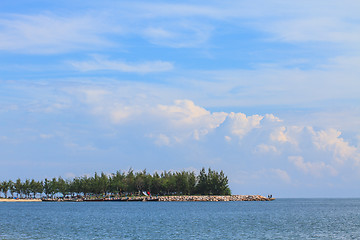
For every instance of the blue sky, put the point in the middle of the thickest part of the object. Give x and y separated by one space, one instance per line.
267 91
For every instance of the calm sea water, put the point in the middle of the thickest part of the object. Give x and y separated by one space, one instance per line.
280 219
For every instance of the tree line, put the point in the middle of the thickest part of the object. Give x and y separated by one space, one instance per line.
122 184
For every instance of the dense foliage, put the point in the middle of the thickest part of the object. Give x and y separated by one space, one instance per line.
122 183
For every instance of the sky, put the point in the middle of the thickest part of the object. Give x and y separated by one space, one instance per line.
266 90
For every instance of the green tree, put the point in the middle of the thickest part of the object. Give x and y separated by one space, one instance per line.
104 184
75 186
117 183
47 187
35 187
26 188
202 185
4 187
85 185
130 181
11 188
53 186
156 184
140 181
18 186
62 186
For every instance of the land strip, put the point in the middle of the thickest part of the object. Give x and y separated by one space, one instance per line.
183 198
214 198
19 200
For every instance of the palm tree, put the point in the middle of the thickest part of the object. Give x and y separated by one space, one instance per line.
11 188
2 187
5 187
18 186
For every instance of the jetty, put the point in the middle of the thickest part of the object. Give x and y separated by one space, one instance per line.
214 198
181 198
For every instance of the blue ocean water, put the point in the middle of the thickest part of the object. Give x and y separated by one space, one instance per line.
280 219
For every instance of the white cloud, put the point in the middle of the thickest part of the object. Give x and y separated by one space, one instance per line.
178 34
239 124
325 29
344 63
185 112
228 138
290 22
279 135
119 113
184 122
264 148
108 103
313 168
272 118
196 136
158 33
46 33
282 174
178 25
330 140
94 95
101 63
161 139
286 134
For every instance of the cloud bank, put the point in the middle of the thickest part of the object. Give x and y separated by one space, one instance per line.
246 145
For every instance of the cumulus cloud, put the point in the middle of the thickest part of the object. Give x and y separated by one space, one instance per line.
286 134
194 135
184 122
313 168
330 140
272 118
239 124
191 120
183 112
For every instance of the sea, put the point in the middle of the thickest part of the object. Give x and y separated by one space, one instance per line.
279 219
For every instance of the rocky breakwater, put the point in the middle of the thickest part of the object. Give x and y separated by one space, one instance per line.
214 198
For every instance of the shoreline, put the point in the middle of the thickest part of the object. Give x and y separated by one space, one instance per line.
19 200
